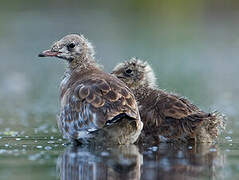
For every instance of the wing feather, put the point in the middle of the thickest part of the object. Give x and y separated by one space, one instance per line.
172 106
95 101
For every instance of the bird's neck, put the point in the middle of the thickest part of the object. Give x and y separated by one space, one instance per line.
80 64
77 70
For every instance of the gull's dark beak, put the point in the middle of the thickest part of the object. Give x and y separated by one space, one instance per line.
48 53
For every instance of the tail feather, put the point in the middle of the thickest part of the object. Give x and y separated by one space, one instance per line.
193 122
216 124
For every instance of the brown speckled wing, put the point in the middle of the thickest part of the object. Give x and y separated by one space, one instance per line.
95 101
174 107
179 118
191 106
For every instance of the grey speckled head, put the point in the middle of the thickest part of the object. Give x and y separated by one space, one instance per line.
70 47
135 73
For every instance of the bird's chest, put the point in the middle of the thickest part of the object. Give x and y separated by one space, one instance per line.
63 90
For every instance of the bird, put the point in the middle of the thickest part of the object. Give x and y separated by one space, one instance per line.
167 117
96 107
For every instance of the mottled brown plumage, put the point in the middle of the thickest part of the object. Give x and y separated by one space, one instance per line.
166 116
95 106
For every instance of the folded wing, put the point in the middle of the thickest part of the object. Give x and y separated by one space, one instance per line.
93 103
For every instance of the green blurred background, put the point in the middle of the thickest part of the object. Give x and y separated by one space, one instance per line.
193 47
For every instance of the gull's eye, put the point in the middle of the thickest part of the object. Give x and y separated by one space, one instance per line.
71 46
128 71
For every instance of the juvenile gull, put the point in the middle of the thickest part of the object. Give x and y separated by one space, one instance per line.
96 107
166 116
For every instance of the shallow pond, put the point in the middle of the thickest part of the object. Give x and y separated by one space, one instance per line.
48 157
192 46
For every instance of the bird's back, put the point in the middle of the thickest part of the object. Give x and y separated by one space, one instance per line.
170 116
92 100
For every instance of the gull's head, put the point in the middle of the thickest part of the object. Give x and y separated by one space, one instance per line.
71 47
135 73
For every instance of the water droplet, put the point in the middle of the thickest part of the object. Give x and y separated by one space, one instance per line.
18 139
190 147
48 148
104 154
51 137
6 145
228 137
51 142
39 147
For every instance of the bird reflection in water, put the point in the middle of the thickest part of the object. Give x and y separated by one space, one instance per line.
182 162
121 162
165 161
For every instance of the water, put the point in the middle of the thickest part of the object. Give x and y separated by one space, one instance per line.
192 46
28 159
